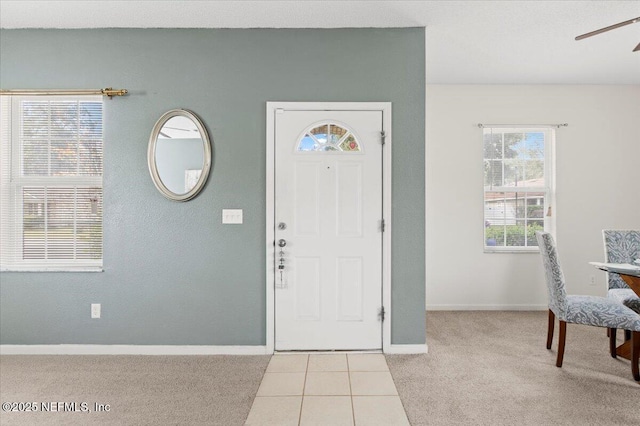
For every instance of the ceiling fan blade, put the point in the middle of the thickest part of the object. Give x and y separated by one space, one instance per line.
611 27
637 48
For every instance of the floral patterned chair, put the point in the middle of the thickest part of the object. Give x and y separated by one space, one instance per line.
587 310
621 246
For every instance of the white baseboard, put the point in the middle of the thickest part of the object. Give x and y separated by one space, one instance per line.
487 307
406 349
166 350
131 350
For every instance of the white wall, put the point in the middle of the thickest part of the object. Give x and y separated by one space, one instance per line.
597 179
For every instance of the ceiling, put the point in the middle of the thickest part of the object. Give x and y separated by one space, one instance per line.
468 42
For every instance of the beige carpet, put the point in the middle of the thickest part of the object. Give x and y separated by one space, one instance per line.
492 368
483 368
141 390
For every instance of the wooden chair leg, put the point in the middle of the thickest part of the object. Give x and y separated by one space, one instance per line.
552 319
612 342
561 339
635 355
627 335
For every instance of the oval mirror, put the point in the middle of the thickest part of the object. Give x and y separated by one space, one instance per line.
179 155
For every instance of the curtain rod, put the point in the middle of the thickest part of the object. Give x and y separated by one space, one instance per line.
523 125
76 92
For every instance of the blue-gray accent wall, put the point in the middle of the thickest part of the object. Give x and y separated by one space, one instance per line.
173 274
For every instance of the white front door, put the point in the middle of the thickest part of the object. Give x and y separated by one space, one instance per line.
328 230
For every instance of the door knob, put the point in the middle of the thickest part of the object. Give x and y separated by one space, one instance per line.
282 242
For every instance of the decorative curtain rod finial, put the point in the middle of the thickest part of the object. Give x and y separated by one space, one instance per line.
111 93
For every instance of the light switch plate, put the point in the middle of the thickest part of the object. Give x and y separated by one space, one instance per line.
232 216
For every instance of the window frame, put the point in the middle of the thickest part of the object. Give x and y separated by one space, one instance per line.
339 150
12 221
548 217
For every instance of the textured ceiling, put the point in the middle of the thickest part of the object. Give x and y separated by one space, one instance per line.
468 42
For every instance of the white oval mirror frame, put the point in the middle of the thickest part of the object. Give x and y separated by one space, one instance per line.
152 155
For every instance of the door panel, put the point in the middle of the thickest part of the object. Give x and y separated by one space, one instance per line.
307 288
306 203
350 288
349 199
328 192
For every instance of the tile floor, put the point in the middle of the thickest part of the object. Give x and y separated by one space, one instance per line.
333 389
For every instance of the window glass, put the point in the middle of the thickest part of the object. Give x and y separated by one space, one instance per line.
52 183
517 186
328 137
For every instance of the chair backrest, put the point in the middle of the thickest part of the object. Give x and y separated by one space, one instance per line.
553 274
620 246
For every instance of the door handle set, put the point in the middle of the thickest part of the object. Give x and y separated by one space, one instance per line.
281 243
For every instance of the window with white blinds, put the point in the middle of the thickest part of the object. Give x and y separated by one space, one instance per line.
51 183
517 186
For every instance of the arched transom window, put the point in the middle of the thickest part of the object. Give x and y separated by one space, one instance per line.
328 137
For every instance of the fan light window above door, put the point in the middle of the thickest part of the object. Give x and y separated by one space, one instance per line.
328 137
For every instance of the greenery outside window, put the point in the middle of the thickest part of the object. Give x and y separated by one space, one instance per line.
51 151
517 186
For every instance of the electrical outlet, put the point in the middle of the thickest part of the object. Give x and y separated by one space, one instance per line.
593 280
95 310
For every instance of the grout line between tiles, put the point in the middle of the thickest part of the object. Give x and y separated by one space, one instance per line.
353 411
304 385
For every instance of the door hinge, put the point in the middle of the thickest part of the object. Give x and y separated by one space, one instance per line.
382 225
381 313
383 137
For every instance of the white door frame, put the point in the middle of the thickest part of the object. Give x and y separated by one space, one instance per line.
272 108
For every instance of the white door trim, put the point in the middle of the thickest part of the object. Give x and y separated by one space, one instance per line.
272 108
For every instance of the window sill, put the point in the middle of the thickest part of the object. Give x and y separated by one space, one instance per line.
16 269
